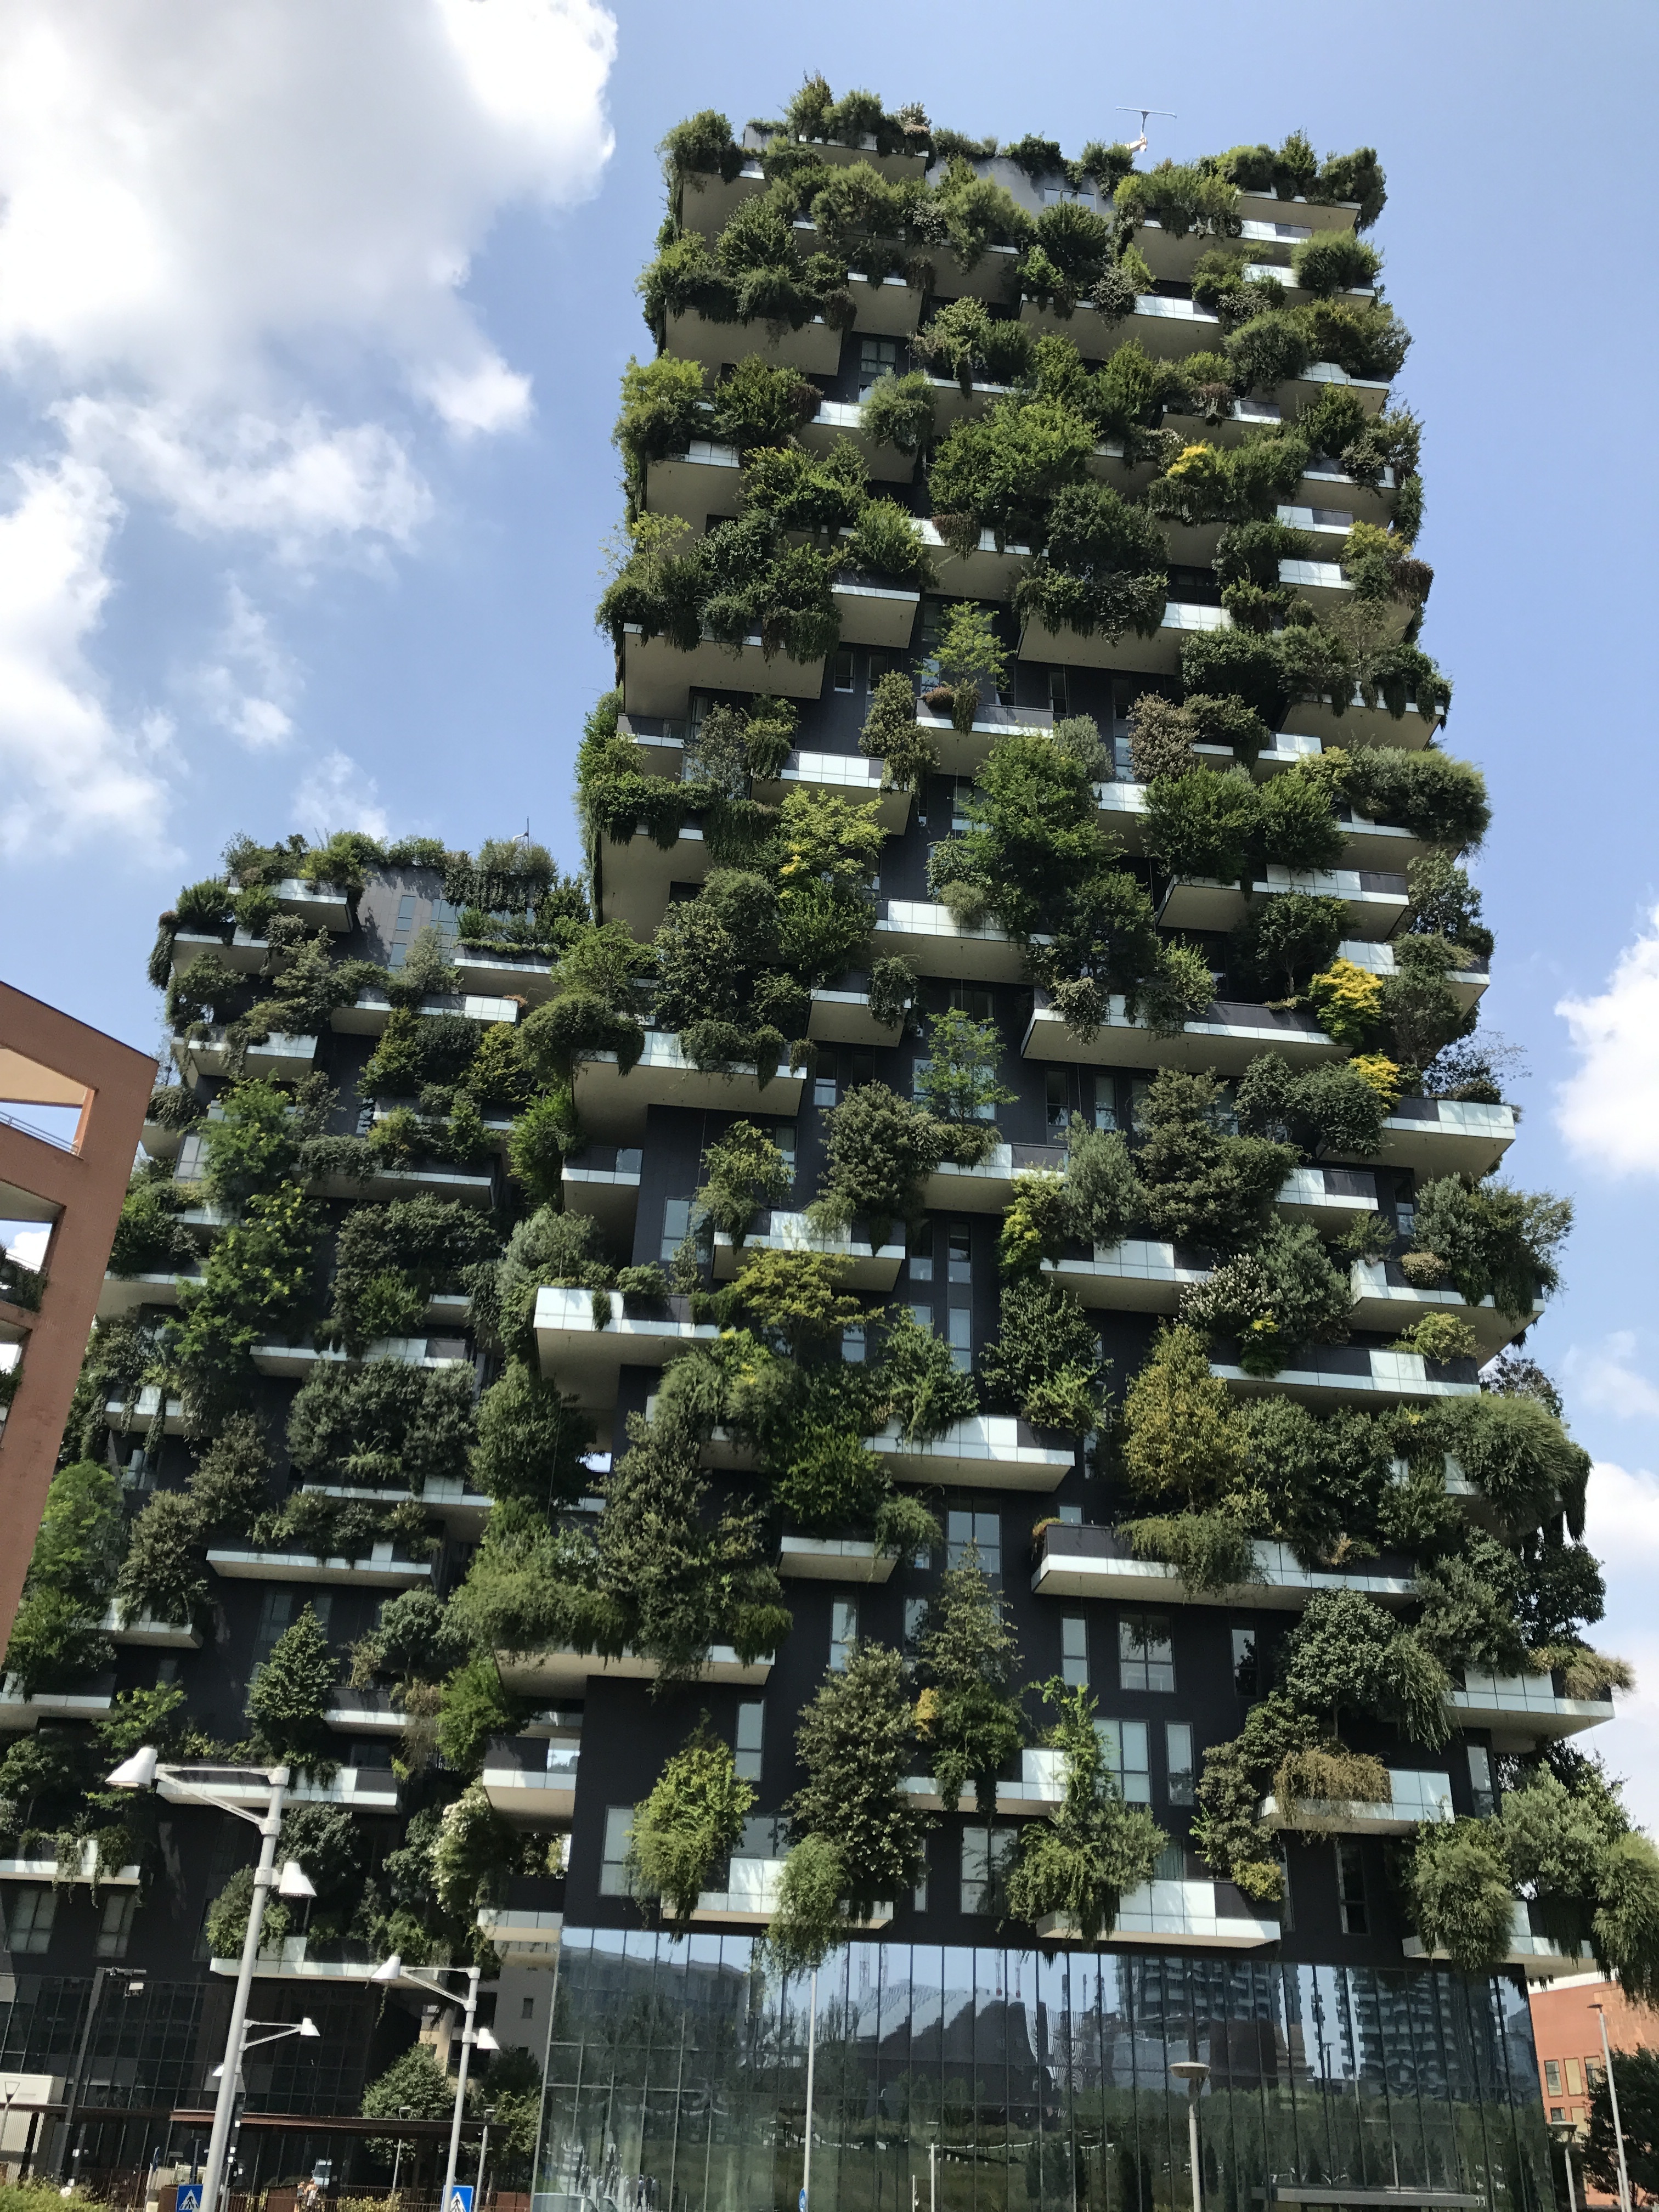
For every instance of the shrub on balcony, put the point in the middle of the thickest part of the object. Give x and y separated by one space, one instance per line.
967 1717
1069 252
1334 261
793 1296
1210 1552
1282 942
891 735
530 1440
1081 1859
1203 1187
880 1149
965 341
149 1239
289 1696
1330 1110
1416 1007
1180 197
1493 1240
1045 1362
691 1821
382 1423
1202 824
390 1260
1102 569
1347 1002
549 1248
854 1743
1208 482
743 1172
1439 800
999 470
898 411
1036 840
1279 1296
1521 1457
756 405
884 543
1298 828
1182 1438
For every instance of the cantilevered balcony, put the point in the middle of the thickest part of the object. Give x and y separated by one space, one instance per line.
707 203
1228 1038
276 1057
987 1451
1332 1199
844 418
531 1780
864 1267
469 1186
1039 1787
637 877
81 1866
126 1294
1360 725
21 1710
319 906
815 348
146 1633
1538 1956
141 1413
522 1935
1074 1561
839 775
358 1789
604 1179
371 1010
585 1355
833 1559
1157 655
449 1499
929 936
1466 982
987 1187
1375 901
961 751
989 277
954 402
1207 902
241 950
1385 845
1355 1375
612 1100
986 573
1385 1300
527 975
886 307
705 479
559 1671
1135 1276
845 1018
750 1898
1524 1709
1269 229
1164 328
1212 1915
1413 1795
1447 1136
295 1362
658 678
364 1712
383 1570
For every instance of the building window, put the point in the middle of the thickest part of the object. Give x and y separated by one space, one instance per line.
1074 1650
982 1532
278 1612
1178 1761
1170 1864
1057 1102
1123 1744
962 1253
752 1730
876 357
613 1868
985 1853
843 1632
676 1227
115 1928
919 1261
853 1344
1140 1092
526 2007
1556 2113
1106 1104
1146 1659
29 1921
1575 2073
1350 1886
1247 1678
1594 2074
783 1136
844 677
959 1335
1059 692
915 1619
918 1895
1481 1782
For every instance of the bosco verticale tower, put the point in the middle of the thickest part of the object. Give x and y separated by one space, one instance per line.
881 1444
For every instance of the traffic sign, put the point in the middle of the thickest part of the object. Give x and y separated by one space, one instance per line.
803 2201
188 2197
460 2198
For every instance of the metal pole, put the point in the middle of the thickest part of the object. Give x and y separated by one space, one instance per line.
1613 2099
224 2110
933 2177
473 1976
1192 2145
483 2156
811 2054
1566 2160
73 2097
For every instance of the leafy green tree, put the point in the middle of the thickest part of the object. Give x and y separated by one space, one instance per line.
967 1716
1079 1860
691 1821
1459 1891
794 1295
228 1918
1203 1187
1045 1362
854 1742
743 1172
960 1083
1635 2077
880 1151
474 1850
1182 1438
531 1438
919 1383
810 1919
1202 824
290 1694
476 1709
1104 1197
1493 1240
382 1423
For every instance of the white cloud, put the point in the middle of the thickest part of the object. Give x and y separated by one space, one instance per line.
1622 1528
336 795
29 1246
1606 1380
1604 1108
233 248
70 771
248 688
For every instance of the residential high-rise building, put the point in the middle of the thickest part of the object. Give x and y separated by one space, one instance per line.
881 1445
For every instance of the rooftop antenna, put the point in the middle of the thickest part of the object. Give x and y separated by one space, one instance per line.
1139 145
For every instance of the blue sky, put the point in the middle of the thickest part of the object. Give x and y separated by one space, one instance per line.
311 320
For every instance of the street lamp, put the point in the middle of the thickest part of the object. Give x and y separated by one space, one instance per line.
393 1970
1613 2099
307 2027
483 2154
1192 2072
404 2112
1563 2132
227 1789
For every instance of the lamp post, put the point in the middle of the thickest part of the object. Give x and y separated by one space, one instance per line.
484 2158
811 2055
393 1970
404 2112
1613 2099
227 1789
1562 2133
1192 2072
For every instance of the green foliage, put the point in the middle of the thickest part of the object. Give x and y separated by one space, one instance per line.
810 1918
474 1709
1045 1362
794 1295
1102 1197
531 1439
56 1636
290 1694
1182 1438
854 1743
1347 1002
1102 569
1079 1860
1636 2080
1457 1882
389 1260
999 470
1329 1109
1284 1293
1439 800
922 1386
1201 1185
692 1819
743 1172
1209 1551
1493 1240
1202 824
382 1423
968 1721
757 404
960 1084
226 1926
538 1142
